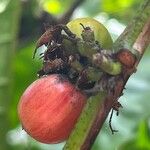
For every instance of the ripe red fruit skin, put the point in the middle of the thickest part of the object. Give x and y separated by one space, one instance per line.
49 109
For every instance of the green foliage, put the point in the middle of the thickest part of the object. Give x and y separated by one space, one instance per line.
55 6
25 72
120 9
88 7
8 32
141 141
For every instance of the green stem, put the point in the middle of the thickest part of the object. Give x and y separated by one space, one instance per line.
88 126
87 118
8 31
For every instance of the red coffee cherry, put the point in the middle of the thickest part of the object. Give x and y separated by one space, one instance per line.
49 108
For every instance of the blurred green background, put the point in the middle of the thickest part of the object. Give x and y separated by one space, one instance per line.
21 23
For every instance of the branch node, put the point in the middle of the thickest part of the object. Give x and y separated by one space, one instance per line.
126 58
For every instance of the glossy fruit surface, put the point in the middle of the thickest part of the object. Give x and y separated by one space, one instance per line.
101 33
49 108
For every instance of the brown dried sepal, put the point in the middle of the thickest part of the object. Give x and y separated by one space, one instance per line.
126 58
54 66
51 34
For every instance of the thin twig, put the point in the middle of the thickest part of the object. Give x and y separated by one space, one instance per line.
67 15
110 122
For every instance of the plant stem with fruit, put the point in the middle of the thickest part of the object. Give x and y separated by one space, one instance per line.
135 39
